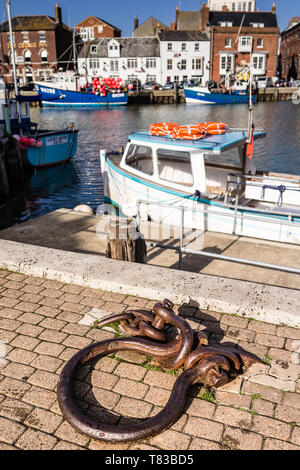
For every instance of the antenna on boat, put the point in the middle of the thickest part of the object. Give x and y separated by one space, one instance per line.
12 46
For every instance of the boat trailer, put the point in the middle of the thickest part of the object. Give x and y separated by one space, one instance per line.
168 338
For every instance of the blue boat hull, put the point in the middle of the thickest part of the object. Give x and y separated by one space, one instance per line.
201 97
58 147
51 96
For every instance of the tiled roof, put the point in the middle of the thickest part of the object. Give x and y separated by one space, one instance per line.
235 17
189 21
130 47
149 28
32 23
182 36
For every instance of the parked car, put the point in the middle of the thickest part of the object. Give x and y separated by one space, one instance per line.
280 83
169 86
152 86
261 82
270 82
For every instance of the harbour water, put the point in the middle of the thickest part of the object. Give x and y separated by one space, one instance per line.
79 181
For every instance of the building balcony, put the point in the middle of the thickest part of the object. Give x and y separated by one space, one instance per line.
245 48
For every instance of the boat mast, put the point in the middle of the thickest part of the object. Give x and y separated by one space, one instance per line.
75 60
12 45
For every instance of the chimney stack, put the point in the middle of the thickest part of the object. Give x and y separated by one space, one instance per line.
58 14
136 23
172 26
204 16
274 9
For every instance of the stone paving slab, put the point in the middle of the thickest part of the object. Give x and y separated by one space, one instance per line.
258 410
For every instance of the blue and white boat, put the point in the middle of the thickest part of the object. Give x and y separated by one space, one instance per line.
214 179
55 146
39 148
202 95
51 94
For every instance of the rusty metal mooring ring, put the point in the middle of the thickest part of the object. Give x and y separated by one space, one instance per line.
212 365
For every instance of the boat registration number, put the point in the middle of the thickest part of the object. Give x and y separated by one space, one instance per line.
48 90
58 140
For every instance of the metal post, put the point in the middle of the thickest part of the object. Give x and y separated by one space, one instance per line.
181 235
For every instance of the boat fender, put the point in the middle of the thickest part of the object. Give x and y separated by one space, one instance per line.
39 144
84 209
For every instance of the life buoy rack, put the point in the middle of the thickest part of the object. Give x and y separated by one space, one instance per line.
191 132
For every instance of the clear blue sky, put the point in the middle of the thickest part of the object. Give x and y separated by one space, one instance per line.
122 12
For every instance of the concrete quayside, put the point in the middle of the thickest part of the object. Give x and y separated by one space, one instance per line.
64 246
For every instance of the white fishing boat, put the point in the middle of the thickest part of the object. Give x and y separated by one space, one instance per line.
213 178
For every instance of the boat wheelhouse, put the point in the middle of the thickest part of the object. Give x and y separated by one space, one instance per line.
214 180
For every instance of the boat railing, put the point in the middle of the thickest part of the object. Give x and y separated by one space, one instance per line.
181 249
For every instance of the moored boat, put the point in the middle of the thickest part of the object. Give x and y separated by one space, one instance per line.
202 95
213 177
51 94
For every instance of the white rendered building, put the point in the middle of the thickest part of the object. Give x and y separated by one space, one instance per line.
128 58
232 5
171 56
184 56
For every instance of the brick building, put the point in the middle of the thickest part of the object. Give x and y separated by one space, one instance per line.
43 45
236 37
290 50
94 28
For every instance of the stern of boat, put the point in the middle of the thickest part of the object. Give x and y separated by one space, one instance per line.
57 147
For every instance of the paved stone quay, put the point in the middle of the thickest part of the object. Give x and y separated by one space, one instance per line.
43 323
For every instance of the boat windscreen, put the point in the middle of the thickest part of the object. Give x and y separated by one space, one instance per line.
232 157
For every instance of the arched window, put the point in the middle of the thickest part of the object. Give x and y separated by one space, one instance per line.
27 57
44 56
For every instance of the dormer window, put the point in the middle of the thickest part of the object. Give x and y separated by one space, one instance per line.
113 48
93 49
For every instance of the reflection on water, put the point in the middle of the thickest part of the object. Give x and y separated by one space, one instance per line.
79 181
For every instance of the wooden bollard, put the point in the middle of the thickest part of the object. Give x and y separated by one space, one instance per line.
124 243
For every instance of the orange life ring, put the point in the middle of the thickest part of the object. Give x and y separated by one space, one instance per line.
162 128
216 131
187 133
191 132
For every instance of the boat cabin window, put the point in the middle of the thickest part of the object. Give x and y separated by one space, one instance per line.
175 166
231 158
140 158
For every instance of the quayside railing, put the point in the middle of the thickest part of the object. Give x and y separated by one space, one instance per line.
181 249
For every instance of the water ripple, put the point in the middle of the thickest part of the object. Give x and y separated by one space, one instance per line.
79 181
